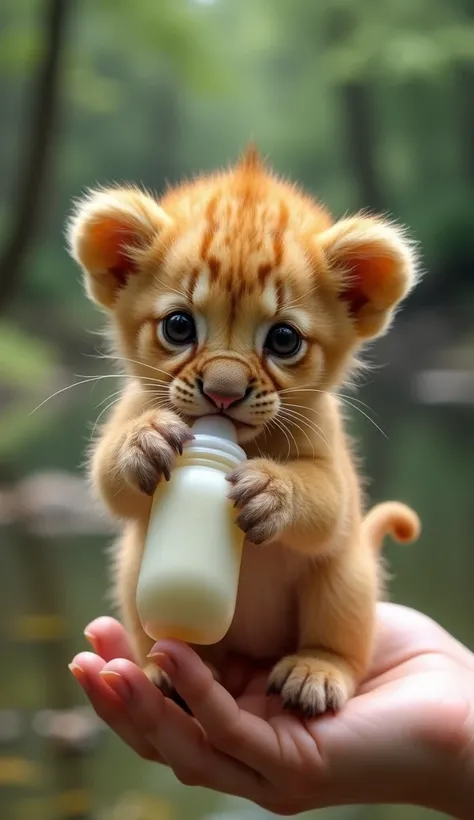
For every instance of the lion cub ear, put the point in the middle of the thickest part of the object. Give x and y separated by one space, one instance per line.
376 267
108 231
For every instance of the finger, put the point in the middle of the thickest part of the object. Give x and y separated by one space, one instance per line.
86 668
109 639
234 731
177 737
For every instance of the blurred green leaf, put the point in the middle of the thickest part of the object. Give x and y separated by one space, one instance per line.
20 49
93 92
24 361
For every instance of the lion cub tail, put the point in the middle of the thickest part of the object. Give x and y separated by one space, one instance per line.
391 518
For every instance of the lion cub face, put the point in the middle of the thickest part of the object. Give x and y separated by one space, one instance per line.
237 291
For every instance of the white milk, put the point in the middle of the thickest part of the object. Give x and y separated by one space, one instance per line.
187 587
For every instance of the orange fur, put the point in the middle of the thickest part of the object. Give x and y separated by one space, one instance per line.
237 253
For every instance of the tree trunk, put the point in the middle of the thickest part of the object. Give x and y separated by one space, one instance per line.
33 169
162 168
466 122
361 141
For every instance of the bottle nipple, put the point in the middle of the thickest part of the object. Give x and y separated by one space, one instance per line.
215 425
217 435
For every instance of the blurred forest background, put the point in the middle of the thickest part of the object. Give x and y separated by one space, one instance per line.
367 104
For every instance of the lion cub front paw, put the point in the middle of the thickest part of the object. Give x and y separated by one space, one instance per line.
149 449
312 684
163 683
263 494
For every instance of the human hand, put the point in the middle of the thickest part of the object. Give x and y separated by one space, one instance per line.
406 737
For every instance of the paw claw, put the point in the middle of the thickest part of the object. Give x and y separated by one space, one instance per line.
162 682
254 538
147 485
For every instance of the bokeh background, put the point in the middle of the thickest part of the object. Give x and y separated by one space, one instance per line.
367 104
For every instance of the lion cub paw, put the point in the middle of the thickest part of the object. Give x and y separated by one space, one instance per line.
150 447
312 684
163 683
263 496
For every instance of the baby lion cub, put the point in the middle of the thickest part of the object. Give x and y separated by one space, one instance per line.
238 294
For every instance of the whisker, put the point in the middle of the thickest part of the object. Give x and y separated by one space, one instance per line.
158 404
300 298
305 386
294 418
346 401
158 391
159 386
168 287
306 389
345 398
110 396
309 422
287 433
259 450
264 433
146 406
130 361
290 433
104 410
302 407
115 401
354 407
85 380
94 380
296 424
282 430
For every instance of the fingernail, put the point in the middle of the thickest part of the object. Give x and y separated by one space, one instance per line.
117 683
91 639
80 674
163 661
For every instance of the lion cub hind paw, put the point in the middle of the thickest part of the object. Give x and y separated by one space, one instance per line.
311 685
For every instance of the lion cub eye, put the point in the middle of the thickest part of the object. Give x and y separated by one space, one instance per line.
179 328
283 340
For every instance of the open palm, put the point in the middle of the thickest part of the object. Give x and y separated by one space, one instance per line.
407 735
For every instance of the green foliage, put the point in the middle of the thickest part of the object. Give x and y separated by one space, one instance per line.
23 360
26 365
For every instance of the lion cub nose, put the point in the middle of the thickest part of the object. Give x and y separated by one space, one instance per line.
224 383
222 401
